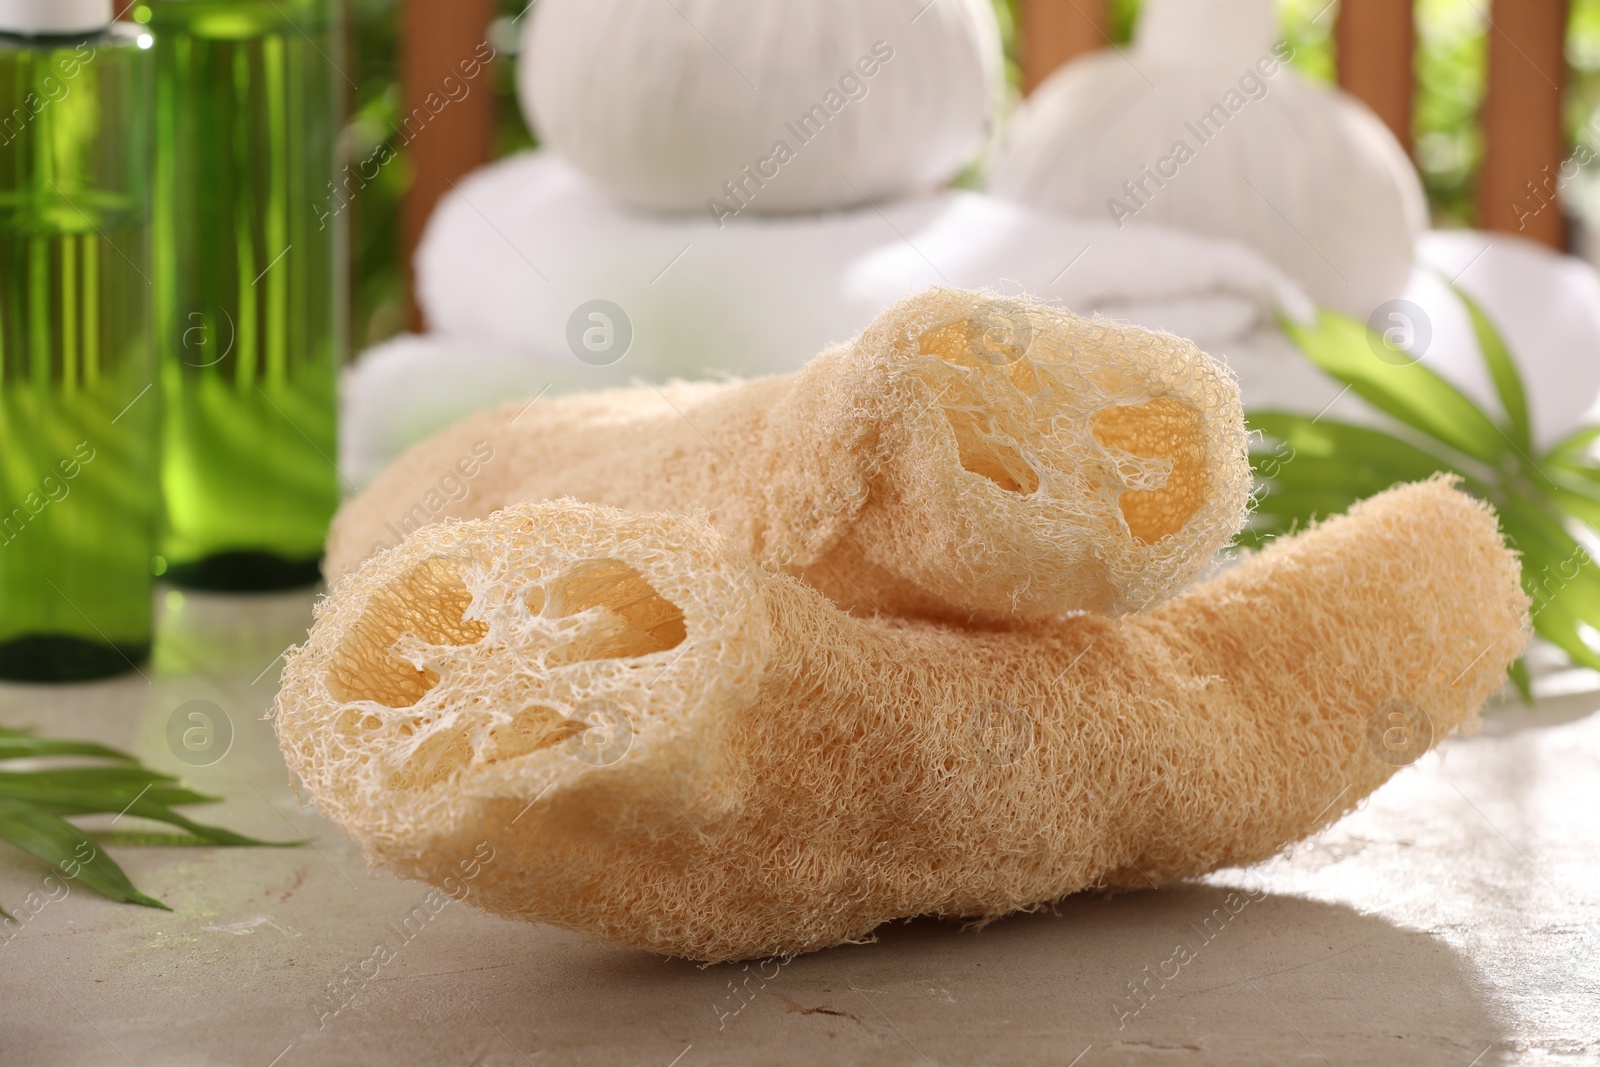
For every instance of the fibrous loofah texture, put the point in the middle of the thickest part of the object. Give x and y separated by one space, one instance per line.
670 748
967 457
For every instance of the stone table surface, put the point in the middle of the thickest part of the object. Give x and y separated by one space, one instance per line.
1454 920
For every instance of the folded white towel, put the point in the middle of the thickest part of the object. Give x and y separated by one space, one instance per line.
407 388
525 242
1547 306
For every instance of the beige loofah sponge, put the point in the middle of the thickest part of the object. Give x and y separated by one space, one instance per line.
669 748
968 457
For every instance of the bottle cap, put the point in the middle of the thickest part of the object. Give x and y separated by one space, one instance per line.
35 18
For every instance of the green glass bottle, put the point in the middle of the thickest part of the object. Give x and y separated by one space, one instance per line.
248 309
78 406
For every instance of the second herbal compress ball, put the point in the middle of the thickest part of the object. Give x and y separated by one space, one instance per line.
1205 126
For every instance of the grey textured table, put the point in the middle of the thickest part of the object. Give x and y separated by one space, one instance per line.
1453 920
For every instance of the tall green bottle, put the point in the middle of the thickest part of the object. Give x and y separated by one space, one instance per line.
247 261
78 405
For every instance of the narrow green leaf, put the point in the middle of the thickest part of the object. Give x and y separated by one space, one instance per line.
1518 672
67 850
1583 472
21 746
1558 624
87 790
1503 372
157 838
133 776
1330 439
1532 530
1412 393
33 802
1576 445
214 835
78 791
1307 472
1312 469
1560 578
1581 506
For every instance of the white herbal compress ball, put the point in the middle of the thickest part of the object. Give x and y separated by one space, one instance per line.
1203 125
763 106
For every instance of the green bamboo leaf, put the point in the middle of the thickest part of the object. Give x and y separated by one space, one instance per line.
1419 398
118 777
1359 480
21 746
1305 503
1556 622
65 848
87 790
157 838
1580 505
1518 673
1531 529
214 835
1559 615
1503 372
1327 438
76 792
1576 445
1584 472
1312 468
1560 578
32 804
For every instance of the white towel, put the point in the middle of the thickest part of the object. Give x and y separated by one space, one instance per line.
526 241
1547 306
409 387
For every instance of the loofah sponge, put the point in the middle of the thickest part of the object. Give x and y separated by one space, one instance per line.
669 748
967 457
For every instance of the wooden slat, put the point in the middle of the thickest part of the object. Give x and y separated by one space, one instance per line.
1376 42
1054 31
436 37
1523 139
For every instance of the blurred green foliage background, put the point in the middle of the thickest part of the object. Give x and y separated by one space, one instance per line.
1452 57
378 297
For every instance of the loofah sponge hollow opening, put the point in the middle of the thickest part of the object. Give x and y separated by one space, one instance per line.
1157 500
1027 461
1164 430
627 618
430 706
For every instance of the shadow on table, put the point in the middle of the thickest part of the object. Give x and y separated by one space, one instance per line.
1195 974
1199 974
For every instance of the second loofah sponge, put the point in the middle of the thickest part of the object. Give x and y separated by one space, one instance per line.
968 457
